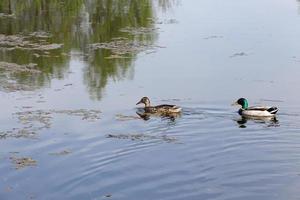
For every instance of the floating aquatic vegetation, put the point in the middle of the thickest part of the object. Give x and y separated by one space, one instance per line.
35 121
123 46
15 68
171 21
90 115
41 34
21 133
11 86
61 153
23 162
12 41
115 57
139 30
46 47
7 83
31 121
44 117
4 15
25 43
108 195
3 135
121 117
239 54
142 137
130 136
68 84
165 21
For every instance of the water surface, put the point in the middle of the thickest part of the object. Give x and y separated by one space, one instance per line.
76 118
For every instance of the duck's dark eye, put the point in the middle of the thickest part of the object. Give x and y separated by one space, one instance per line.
241 101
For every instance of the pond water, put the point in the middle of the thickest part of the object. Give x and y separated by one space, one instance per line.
71 72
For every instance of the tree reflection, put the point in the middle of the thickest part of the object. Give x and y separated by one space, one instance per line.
76 24
55 18
107 17
167 4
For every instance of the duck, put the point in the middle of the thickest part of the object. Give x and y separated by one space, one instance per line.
159 109
255 111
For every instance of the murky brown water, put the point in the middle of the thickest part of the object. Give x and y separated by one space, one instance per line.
71 72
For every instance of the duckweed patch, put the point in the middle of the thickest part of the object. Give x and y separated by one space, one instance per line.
61 153
18 133
238 54
9 70
41 34
108 195
165 21
22 162
12 86
32 122
139 30
15 68
39 119
121 117
5 15
33 41
120 47
89 115
142 137
171 21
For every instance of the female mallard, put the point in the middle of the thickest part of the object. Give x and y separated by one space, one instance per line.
255 111
163 109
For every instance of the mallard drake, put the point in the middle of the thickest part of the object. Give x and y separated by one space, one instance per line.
163 109
255 111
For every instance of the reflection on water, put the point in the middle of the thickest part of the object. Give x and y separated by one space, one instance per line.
147 116
167 4
75 25
268 121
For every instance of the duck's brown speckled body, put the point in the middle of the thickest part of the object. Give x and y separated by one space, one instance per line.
164 108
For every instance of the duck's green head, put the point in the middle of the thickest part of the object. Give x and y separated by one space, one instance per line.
243 102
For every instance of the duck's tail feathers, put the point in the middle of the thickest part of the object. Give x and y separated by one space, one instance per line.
177 109
273 110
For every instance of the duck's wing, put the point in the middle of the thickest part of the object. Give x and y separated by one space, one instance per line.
263 108
271 110
258 108
168 108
